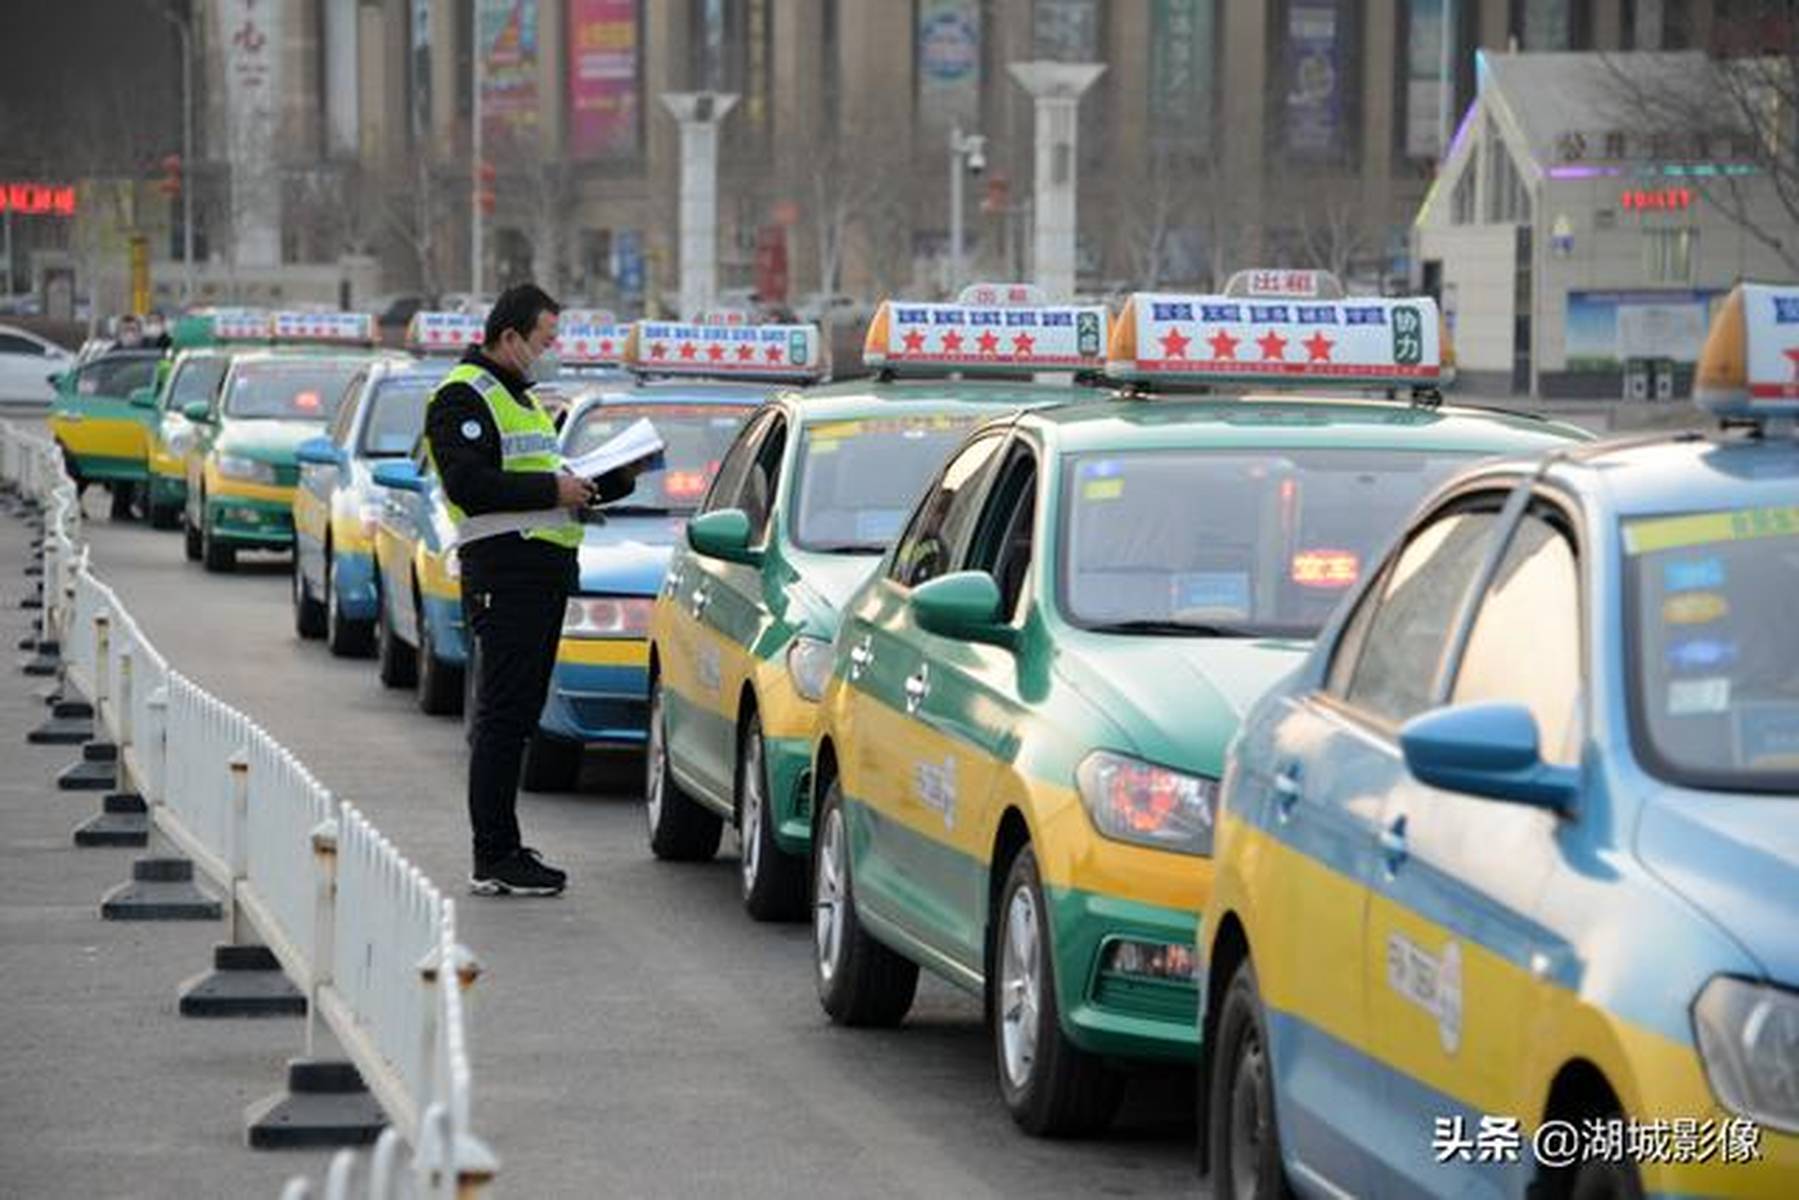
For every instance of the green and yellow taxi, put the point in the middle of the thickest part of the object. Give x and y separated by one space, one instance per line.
804 504
103 434
241 465
203 342
1020 743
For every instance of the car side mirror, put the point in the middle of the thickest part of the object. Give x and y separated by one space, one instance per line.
401 474
965 606
58 380
319 452
725 535
1488 749
144 397
197 411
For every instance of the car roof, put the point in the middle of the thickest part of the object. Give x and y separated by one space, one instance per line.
1269 421
946 397
1685 473
357 354
678 391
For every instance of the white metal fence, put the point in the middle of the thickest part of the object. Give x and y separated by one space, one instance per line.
360 929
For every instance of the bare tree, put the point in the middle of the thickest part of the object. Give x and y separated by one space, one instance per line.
1331 219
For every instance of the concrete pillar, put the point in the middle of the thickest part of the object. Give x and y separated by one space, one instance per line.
1379 38
552 90
698 115
1129 33
1608 25
1250 121
798 69
449 133
1056 89
1495 21
665 69
342 82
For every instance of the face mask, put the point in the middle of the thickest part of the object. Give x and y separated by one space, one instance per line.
545 367
153 330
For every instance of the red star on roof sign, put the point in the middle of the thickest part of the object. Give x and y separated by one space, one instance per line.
1794 355
772 354
1223 345
988 343
1274 346
606 346
952 342
1318 347
914 342
688 350
658 350
1023 344
745 352
1174 344
715 352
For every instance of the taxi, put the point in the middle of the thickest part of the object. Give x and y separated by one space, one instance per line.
805 504
240 463
1019 747
203 343
337 505
1506 881
101 432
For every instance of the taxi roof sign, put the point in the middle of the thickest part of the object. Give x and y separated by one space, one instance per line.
240 325
341 328
1002 295
1186 339
444 332
934 339
784 353
1264 283
1749 366
581 342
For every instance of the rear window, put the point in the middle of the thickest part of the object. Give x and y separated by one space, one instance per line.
396 418
293 391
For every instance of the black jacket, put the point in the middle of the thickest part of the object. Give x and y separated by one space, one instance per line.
465 444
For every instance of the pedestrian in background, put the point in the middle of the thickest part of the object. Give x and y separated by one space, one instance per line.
514 507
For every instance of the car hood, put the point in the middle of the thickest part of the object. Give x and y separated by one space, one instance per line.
1178 699
628 555
1735 857
269 441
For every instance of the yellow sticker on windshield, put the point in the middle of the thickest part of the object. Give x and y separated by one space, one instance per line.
1698 529
1102 489
1694 608
826 445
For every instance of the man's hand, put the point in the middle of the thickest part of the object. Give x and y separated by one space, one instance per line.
572 491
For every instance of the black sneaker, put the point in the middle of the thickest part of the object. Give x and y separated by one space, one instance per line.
522 873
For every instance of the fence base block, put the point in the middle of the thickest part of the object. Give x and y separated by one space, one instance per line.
89 775
34 601
60 707
47 660
246 981
161 889
62 731
124 820
33 570
325 1104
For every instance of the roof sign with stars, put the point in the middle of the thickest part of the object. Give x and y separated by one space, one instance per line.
444 332
581 342
935 339
240 325
1284 339
341 328
1749 367
780 353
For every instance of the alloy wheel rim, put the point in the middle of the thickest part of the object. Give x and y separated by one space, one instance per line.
1249 1120
829 896
652 792
750 829
1020 998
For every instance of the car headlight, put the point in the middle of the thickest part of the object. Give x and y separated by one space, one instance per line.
234 466
607 617
368 515
1129 800
809 666
1749 1042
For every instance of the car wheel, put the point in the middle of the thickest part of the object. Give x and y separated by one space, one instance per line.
163 516
395 661
439 682
216 554
1051 1087
681 828
190 537
344 637
552 764
774 882
860 981
1245 1141
309 614
123 495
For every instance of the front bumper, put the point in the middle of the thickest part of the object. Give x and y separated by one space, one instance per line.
252 520
1110 1012
599 692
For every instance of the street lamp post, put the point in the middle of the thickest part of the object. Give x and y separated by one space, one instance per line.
184 28
475 182
1056 89
969 148
699 115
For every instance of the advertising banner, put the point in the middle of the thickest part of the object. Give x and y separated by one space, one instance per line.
949 64
602 78
1603 329
1315 32
1424 78
508 49
1180 70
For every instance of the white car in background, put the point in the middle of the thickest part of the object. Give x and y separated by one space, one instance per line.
26 363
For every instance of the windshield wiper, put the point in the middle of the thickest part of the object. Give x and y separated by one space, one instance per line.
1169 628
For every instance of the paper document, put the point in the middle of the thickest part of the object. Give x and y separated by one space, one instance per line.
638 442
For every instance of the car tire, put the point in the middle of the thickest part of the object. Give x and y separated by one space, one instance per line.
1051 1087
164 516
552 764
343 637
860 981
1243 1137
773 882
191 538
216 554
124 496
681 828
395 662
439 682
309 614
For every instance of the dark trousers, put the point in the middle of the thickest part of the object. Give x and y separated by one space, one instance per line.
515 630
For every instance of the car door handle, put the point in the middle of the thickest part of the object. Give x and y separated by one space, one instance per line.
1393 844
1287 791
918 686
701 598
862 657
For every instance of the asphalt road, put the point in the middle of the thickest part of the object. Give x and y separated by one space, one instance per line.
636 1037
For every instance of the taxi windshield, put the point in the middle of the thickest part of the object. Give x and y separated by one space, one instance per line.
397 416
290 391
856 479
1715 679
696 437
196 380
1249 543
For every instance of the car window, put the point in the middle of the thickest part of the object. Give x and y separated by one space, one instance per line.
12 343
1533 602
695 439
196 380
1003 545
117 377
729 480
856 479
291 390
339 431
943 522
762 480
1409 624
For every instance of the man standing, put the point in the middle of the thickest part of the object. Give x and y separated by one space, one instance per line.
514 508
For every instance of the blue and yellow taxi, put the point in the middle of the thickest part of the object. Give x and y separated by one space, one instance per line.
337 505
1506 886
804 505
1020 744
